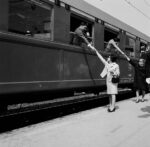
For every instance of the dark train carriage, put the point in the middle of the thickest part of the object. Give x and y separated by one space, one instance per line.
35 54
33 65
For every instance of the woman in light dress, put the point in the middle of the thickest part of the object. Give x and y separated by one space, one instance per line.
111 68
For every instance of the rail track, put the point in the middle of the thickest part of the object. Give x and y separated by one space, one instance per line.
20 115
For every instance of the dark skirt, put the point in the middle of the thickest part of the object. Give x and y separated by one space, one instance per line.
140 84
139 77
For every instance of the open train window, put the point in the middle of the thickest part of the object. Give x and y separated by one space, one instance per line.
75 22
30 17
109 34
130 46
142 46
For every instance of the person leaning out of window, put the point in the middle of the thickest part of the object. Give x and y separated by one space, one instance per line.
81 35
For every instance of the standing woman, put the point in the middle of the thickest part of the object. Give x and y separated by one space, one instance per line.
139 84
111 69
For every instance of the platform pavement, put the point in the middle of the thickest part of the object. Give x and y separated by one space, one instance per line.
128 126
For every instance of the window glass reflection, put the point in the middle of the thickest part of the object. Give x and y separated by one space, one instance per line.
30 18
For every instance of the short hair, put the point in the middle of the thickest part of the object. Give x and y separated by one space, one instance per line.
141 59
113 57
83 24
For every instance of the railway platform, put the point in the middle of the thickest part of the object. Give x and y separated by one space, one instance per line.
128 126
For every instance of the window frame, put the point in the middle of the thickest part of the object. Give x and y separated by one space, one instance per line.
50 7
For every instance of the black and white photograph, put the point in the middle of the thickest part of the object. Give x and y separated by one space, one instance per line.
74 73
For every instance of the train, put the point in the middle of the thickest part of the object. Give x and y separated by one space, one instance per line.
37 58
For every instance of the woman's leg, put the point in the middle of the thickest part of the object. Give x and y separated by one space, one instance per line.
143 94
137 96
112 101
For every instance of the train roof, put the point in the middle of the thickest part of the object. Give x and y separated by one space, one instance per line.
93 11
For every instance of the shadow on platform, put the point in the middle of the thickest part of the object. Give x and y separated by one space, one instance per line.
147 110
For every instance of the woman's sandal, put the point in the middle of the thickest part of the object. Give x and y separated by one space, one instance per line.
142 100
109 110
137 101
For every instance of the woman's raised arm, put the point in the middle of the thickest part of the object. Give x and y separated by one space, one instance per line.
99 56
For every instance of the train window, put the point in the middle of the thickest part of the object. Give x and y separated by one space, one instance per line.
142 48
130 46
108 35
75 22
30 17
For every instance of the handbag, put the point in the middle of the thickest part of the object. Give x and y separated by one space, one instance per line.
115 79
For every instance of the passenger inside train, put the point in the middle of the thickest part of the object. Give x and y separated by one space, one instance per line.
110 47
81 35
